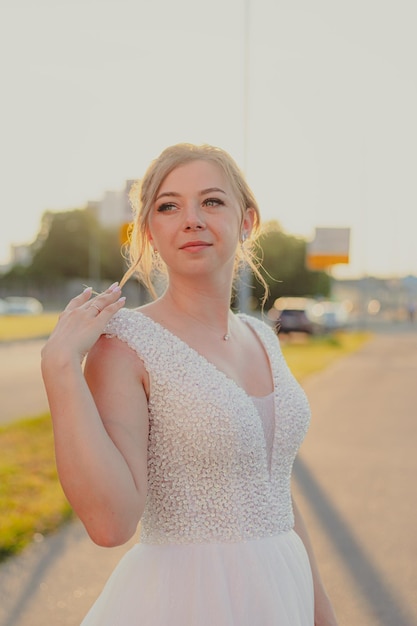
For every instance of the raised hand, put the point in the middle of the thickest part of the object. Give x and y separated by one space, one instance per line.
81 323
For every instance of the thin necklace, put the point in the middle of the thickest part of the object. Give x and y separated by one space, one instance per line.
226 335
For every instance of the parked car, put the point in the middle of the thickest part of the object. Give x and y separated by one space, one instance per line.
331 315
294 320
295 315
22 305
307 315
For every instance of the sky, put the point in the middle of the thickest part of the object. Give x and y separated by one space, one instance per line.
316 101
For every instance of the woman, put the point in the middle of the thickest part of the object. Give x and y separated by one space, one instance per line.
185 417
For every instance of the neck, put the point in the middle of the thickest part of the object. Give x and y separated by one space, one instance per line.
202 309
209 298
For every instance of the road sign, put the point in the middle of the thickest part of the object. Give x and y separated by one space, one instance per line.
124 232
330 246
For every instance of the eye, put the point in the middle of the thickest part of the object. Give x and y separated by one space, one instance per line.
213 202
166 207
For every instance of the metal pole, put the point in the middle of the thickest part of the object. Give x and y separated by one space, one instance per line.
246 76
245 274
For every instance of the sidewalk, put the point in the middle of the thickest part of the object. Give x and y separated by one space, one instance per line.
355 482
54 582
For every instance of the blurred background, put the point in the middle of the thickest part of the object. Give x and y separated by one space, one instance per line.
315 101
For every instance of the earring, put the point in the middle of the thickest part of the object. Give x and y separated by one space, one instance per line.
244 237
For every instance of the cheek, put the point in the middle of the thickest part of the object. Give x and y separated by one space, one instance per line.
161 237
231 229
229 237
155 230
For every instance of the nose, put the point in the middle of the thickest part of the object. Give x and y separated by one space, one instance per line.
194 219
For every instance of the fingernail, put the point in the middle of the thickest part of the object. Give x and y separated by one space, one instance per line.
87 289
114 287
122 299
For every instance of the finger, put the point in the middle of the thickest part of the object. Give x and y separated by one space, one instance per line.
106 298
107 311
97 308
79 300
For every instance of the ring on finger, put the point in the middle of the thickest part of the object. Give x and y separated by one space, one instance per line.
96 307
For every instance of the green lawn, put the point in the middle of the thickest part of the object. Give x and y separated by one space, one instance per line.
316 353
26 326
32 502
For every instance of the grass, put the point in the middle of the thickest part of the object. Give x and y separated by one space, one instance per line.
32 502
314 354
13 327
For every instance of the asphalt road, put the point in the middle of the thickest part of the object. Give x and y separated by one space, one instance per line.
355 482
21 389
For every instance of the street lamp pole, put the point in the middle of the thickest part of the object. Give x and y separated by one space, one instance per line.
246 76
245 274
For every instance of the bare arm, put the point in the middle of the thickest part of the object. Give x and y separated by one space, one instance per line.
323 611
100 419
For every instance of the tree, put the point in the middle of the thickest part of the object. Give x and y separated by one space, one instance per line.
61 249
71 244
284 268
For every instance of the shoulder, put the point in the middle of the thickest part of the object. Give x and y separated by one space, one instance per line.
112 348
124 322
259 325
265 332
132 327
151 342
127 332
114 360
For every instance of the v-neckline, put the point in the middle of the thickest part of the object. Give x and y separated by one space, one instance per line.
249 399
212 365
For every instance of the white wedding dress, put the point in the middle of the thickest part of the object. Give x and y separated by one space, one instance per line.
217 545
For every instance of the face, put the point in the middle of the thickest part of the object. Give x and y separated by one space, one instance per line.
196 221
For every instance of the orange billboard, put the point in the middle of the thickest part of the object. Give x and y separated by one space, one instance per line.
330 246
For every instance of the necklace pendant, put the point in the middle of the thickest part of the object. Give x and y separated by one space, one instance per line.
226 337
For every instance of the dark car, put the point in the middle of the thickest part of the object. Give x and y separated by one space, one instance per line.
295 315
306 315
294 320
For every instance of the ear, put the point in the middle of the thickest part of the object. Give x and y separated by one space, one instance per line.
151 241
247 223
149 236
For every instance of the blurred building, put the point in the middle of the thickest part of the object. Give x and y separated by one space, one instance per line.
387 298
20 254
114 208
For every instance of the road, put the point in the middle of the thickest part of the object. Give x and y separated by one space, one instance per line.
21 389
354 480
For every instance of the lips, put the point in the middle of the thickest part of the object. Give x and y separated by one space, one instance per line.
195 244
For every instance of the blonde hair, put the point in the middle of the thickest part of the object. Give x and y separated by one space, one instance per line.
142 260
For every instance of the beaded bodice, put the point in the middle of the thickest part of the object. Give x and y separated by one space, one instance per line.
209 476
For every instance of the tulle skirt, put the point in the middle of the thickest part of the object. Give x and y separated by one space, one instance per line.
261 582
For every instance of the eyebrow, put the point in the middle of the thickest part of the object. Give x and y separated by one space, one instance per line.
203 192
